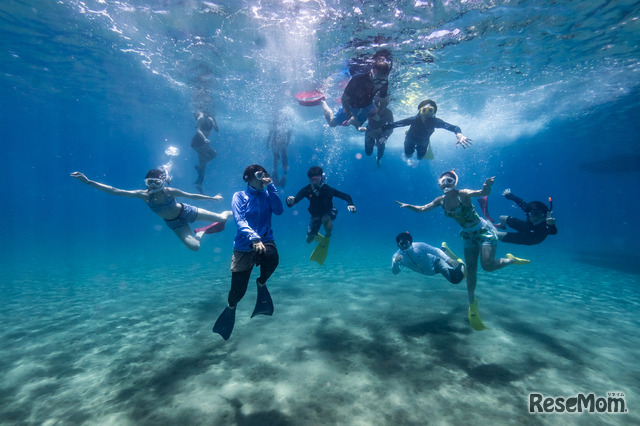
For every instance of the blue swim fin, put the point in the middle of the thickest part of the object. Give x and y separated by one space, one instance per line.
264 304
225 322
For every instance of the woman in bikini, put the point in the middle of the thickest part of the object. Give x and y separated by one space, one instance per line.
161 200
480 238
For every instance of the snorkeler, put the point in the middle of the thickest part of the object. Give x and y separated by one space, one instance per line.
539 223
278 139
161 200
202 145
421 127
320 196
357 98
253 245
374 136
479 236
425 259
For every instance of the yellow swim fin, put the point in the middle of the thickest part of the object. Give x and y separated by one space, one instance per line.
474 317
320 253
517 260
318 238
429 154
445 248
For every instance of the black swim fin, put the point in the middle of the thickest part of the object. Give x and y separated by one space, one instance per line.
264 304
225 322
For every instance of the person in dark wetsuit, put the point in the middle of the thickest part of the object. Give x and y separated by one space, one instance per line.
320 196
422 126
374 136
539 223
201 144
357 99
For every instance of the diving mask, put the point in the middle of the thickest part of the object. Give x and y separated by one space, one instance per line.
427 110
260 175
154 183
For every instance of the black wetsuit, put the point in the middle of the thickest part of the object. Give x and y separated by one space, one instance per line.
361 91
417 137
384 117
320 203
528 234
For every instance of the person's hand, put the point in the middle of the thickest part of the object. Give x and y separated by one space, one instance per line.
397 259
217 197
463 141
353 121
362 129
290 200
402 205
206 140
489 181
81 177
259 247
506 192
550 219
352 208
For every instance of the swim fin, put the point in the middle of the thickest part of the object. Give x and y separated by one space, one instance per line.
474 317
445 248
429 154
211 229
225 322
264 304
517 260
484 206
320 253
318 238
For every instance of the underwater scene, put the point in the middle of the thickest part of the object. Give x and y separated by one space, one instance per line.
474 165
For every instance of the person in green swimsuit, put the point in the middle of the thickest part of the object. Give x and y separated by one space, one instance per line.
480 238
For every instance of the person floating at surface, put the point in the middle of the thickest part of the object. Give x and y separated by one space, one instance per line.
539 223
374 136
421 127
320 196
278 139
161 200
254 245
479 236
202 145
357 98
425 259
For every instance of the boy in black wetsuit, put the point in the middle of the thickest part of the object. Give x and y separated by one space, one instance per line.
533 230
320 197
422 126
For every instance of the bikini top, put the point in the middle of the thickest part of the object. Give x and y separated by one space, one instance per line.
169 202
465 215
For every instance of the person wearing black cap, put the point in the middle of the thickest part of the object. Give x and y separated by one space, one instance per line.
531 231
254 245
425 259
421 127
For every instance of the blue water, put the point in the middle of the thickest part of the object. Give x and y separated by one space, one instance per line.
107 316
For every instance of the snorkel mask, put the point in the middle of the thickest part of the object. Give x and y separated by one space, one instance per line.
317 181
448 181
404 240
155 184
427 110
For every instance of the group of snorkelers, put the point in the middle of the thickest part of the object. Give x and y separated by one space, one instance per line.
252 208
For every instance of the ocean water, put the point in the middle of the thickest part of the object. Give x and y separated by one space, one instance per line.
107 317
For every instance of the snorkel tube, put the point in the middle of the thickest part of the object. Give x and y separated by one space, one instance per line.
550 204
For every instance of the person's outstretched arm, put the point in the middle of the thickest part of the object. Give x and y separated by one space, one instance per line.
292 201
346 197
137 193
486 189
421 209
402 123
462 140
180 193
519 201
